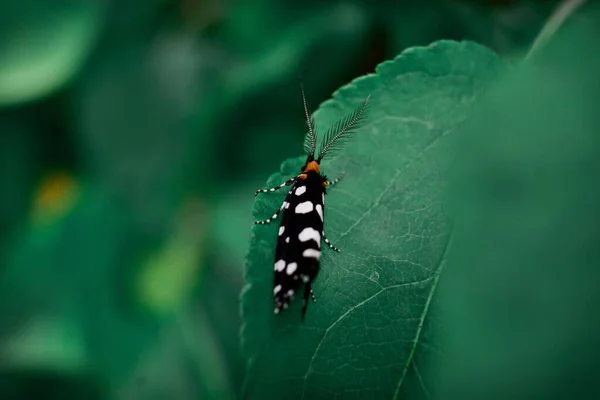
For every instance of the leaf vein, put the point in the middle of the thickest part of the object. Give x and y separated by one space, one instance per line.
341 317
420 378
436 278
393 180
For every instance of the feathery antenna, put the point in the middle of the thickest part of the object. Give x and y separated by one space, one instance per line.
310 141
343 129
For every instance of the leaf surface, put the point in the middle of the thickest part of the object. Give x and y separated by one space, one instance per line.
371 326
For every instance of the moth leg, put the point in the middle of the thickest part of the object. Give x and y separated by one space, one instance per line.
286 183
285 204
336 180
331 246
307 291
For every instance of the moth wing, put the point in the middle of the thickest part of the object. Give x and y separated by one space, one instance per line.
298 250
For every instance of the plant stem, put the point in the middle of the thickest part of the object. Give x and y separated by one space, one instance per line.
558 17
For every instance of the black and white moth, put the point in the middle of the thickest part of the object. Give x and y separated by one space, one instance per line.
298 251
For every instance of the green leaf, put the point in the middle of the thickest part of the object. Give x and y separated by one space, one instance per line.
19 168
370 327
44 45
520 310
50 274
230 220
189 345
118 102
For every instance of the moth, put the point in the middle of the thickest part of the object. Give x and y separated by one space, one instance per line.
298 250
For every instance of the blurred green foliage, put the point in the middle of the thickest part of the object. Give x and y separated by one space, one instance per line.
131 141
519 309
44 45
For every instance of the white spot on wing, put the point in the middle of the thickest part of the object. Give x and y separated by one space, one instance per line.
301 190
323 198
305 278
304 208
319 211
312 253
291 268
308 234
287 239
286 205
277 289
282 228
279 265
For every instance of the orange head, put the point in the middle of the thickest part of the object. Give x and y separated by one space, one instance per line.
311 166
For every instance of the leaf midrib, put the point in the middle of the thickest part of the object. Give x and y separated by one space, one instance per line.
436 278
341 317
415 342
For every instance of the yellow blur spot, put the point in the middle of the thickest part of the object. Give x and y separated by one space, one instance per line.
55 197
170 274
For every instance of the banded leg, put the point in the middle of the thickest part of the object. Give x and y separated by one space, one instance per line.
307 291
336 180
285 204
286 183
331 246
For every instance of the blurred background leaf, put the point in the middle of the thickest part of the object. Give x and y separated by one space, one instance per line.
45 44
519 309
131 141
